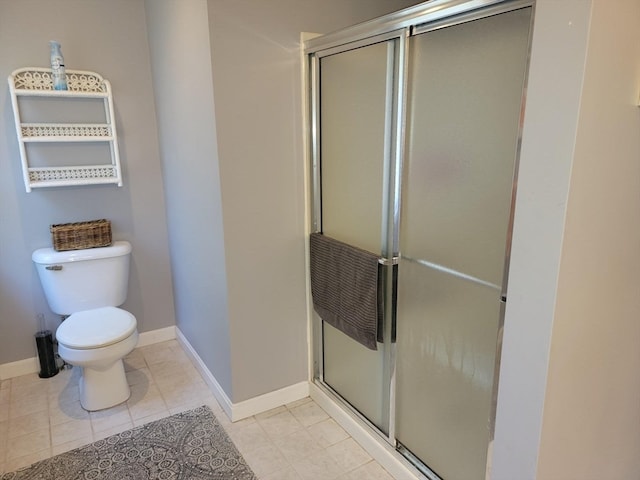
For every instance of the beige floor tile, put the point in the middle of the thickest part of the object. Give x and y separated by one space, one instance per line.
139 376
190 404
4 438
5 395
156 353
298 445
173 376
112 431
280 424
134 361
28 379
193 374
265 460
348 454
248 437
170 375
318 466
63 379
135 353
28 406
297 403
28 444
69 393
172 344
287 474
190 394
70 431
29 391
71 445
27 424
309 413
112 417
370 471
327 432
146 400
238 424
26 460
272 412
61 413
179 356
151 418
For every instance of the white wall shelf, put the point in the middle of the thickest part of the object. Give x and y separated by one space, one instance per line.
33 82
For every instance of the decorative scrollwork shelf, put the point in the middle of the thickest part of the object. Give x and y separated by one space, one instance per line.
37 82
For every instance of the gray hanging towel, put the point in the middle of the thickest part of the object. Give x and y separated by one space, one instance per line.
344 287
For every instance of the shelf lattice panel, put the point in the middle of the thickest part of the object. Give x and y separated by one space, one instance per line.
58 130
41 79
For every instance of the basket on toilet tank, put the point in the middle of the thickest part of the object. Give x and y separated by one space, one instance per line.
79 235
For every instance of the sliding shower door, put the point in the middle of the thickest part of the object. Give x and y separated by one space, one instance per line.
415 146
466 90
356 90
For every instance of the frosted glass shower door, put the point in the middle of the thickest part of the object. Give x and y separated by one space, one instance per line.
466 88
353 104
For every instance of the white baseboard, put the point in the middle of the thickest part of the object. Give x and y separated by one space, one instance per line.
379 449
32 365
270 400
208 377
156 336
21 367
246 408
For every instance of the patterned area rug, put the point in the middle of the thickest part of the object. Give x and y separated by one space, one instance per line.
189 445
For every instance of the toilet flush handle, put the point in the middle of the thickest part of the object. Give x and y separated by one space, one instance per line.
53 267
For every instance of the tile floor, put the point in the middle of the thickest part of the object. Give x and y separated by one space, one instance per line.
42 417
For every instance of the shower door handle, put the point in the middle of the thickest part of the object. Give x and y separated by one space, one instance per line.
388 261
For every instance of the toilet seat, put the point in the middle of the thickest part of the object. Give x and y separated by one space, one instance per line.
96 328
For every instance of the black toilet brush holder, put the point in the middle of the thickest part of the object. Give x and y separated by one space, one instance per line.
46 354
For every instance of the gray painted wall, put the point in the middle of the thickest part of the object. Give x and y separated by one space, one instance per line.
181 64
109 38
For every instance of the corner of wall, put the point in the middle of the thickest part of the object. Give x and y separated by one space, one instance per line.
247 408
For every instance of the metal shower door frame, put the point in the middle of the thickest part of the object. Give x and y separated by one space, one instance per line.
400 26
393 143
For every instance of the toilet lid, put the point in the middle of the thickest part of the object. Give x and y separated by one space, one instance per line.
96 328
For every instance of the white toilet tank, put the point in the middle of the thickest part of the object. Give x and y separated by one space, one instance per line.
77 280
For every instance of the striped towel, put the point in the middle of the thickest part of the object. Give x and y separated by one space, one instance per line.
344 287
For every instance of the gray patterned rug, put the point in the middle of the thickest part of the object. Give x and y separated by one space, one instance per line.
190 445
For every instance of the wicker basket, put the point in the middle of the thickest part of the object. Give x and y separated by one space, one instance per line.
75 236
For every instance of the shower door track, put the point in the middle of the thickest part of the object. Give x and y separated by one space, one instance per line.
402 454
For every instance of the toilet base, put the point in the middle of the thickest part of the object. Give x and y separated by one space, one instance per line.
100 389
103 383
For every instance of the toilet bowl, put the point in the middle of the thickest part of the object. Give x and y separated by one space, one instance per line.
97 340
88 285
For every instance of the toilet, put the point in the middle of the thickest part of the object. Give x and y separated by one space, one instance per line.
88 285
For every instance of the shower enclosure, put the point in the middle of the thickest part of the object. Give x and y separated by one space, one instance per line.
415 127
